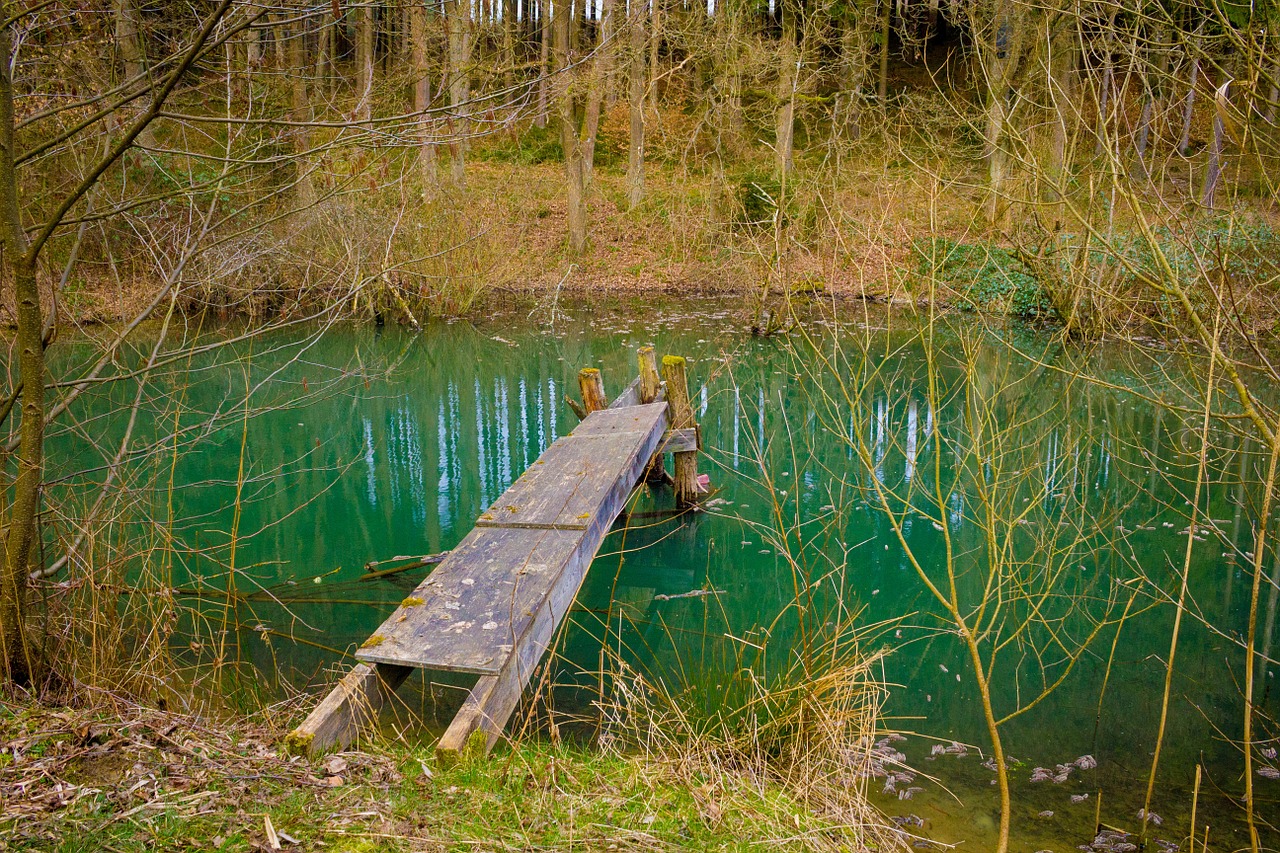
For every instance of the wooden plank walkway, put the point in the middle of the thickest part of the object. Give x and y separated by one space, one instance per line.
530 549
492 606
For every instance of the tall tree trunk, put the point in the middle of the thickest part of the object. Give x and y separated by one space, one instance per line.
253 49
544 52
418 31
1213 168
1062 96
788 81
728 69
576 191
324 56
886 21
855 42
601 67
132 54
458 27
365 24
1153 83
635 106
1108 87
279 34
1193 80
20 525
1001 56
580 116
301 106
509 41
655 46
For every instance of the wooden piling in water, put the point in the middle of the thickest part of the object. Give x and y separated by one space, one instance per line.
681 412
648 390
650 382
591 385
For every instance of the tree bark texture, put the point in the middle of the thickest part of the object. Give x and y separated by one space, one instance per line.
20 523
418 36
635 106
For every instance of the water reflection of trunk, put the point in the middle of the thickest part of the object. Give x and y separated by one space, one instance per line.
1236 522
1265 664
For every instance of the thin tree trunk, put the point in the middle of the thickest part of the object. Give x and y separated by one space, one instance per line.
1213 168
544 51
324 56
655 44
1152 88
1108 86
129 43
458 26
854 44
301 107
886 20
635 107
427 168
788 80
1062 74
576 196
1188 105
601 66
20 532
364 60
728 70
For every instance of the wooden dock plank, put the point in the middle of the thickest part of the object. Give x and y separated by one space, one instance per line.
569 484
468 614
536 540
632 419
351 707
490 703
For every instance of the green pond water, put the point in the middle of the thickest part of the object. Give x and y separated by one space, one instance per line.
361 444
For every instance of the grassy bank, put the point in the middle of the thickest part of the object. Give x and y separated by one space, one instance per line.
134 779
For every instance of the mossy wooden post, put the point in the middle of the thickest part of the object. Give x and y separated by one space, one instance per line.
650 383
650 387
592 387
686 464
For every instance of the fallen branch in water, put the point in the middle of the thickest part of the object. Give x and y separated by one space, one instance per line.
373 573
693 593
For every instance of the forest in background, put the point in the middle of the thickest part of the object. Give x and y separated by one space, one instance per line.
1042 159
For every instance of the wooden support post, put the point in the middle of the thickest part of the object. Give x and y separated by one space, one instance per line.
592 388
649 380
350 708
649 389
686 464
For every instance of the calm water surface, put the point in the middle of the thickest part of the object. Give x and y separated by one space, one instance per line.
377 443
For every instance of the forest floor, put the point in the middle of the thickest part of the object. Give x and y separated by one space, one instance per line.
852 229
143 780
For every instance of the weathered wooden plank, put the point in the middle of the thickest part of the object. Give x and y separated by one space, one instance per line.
577 475
626 420
469 613
492 700
350 708
490 703
681 441
473 610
